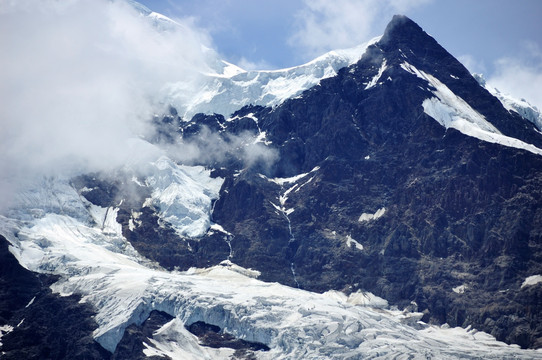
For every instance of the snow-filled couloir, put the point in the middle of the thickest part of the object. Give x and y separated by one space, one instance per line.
451 111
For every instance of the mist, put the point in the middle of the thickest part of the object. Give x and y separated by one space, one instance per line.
80 82
323 25
210 148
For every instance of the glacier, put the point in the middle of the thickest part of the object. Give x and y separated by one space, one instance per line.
184 195
229 89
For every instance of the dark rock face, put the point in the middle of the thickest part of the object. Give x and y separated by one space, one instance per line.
210 335
46 326
162 244
131 346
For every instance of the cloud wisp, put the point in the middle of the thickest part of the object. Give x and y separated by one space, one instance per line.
472 64
211 148
79 81
326 25
520 76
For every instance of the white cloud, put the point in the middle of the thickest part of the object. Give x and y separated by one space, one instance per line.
247 64
79 80
325 25
208 147
472 64
520 76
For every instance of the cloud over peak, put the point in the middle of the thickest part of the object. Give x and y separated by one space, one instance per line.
327 25
521 75
79 80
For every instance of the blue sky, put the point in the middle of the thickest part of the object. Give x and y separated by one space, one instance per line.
261 30
500 38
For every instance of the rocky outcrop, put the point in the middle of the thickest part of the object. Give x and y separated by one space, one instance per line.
44 325
211 335
132 344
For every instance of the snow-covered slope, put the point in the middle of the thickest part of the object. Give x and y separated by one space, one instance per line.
231 89
451 111
82 244
521 106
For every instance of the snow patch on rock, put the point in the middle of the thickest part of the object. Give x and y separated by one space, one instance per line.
368 217
350 242
460 289
4 330
532 280
377 77
451 117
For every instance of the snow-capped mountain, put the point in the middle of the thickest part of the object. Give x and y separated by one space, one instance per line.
229 91
373 203
226 88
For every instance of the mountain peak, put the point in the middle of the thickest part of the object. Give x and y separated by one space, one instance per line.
402 29
399 19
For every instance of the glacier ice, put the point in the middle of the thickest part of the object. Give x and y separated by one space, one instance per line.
183 195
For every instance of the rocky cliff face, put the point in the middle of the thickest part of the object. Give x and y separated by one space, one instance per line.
48 326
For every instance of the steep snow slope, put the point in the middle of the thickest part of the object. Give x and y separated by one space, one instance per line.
521 106
66 236
451 111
